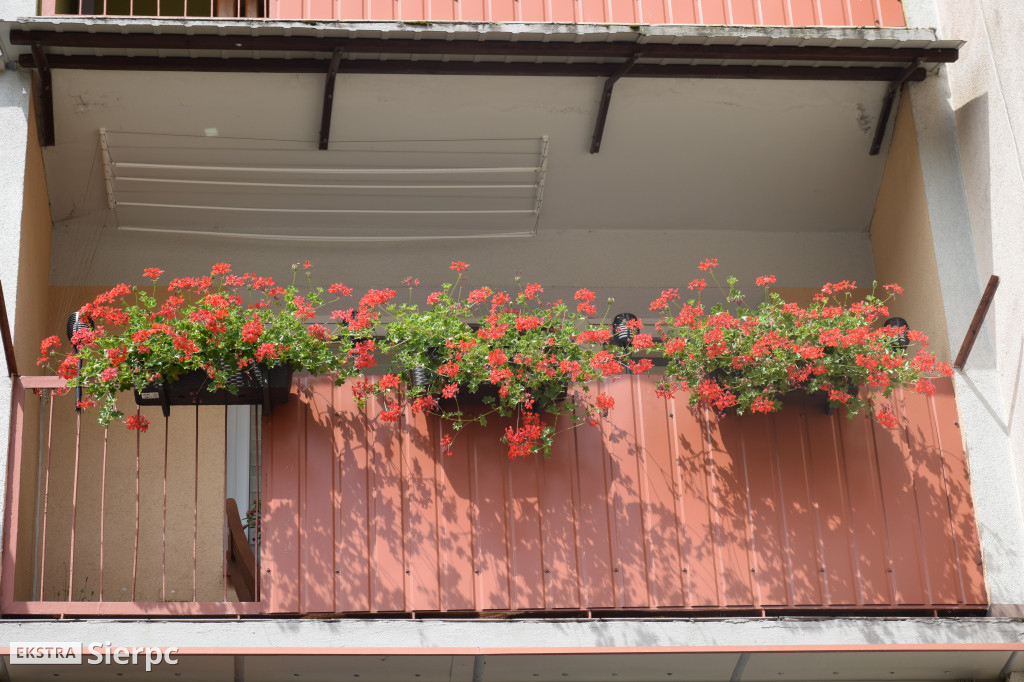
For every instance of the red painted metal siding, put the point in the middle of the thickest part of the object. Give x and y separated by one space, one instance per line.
660 508
870 13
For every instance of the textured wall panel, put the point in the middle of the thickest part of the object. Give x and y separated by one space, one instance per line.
871 13
662 507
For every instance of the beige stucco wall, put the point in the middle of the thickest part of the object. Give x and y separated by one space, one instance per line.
34 258
30 312
901 237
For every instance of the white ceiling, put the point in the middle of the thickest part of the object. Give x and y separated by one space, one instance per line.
768 176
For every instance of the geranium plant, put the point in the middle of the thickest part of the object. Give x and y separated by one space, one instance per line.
746 356
220 324
512 351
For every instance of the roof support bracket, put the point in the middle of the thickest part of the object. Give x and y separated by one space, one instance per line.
606 98
325 117
895 88
46 133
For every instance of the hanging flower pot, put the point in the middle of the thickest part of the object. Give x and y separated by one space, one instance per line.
257 385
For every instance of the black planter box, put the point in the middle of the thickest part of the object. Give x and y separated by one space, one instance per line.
258 385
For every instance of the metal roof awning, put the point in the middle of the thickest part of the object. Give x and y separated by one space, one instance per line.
568 50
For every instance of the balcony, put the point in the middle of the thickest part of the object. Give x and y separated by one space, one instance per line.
661 510
870 13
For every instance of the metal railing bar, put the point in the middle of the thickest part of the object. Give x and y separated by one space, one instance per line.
163 551
74 502
103 497
5 332
46 499
138 507
195 518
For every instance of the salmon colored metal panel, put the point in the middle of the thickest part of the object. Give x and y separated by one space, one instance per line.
873 559
896 477
455 524
729 506
833 12
831 500
700 538
662 517
317 498
558 510
891 12
804 13
629 567
420 511
828 512
490 528
773 12
863 13
714 12
744 12
804 563
352 520
320 8
527 558
594 519
350 9
958 486
387 570
710 12
765 503
924 459
682 11
279 550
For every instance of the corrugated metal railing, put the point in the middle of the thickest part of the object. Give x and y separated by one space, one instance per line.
870 13
662 508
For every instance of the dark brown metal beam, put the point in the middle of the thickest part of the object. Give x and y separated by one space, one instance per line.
5 334
890 98
979 319
606 100
621 49
325 116
459 68
47 136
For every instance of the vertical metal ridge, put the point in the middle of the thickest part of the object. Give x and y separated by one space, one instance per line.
574 492
474 516
608 468
754 574
301 424
872 452
438 512
785 545
404 454
711 486
675 455
336 489
643 483
509 526
815 508
950 515
195 515
855 555
908 454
